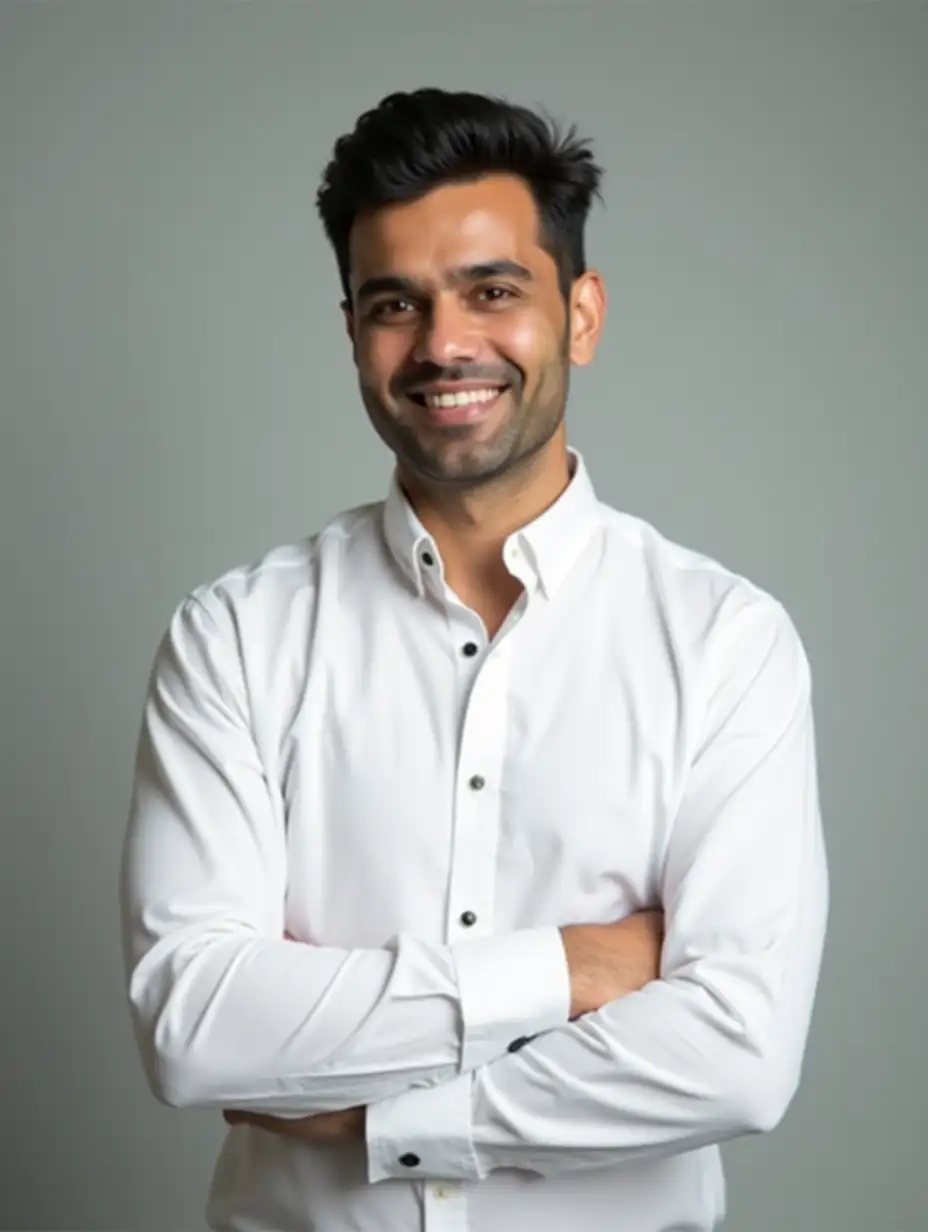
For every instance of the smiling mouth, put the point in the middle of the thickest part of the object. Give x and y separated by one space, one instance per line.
465 398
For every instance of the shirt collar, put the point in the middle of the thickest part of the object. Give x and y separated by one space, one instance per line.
550 545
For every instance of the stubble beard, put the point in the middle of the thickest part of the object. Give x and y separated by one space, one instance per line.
524 433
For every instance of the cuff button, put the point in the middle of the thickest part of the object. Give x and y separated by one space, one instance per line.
409 1160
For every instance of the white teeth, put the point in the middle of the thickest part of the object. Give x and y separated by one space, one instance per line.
461 399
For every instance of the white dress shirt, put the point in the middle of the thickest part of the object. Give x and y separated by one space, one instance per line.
331 746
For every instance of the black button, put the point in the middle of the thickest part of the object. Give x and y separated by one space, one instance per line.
520 1042
478 782
470 649
428 558
468 918
410 1161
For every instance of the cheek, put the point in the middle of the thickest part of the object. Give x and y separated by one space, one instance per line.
528 341
520 337
378 358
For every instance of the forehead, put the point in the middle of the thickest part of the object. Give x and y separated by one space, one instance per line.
488 219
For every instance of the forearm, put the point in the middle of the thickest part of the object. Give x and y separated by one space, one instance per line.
226 1012
225 1019
714 1048
668 1069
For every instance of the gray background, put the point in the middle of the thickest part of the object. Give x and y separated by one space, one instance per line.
177 396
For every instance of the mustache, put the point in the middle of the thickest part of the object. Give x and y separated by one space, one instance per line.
423 374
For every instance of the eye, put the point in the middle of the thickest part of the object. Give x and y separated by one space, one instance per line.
496 294
387 308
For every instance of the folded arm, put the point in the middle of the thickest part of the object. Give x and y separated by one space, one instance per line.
714 1048
226 1012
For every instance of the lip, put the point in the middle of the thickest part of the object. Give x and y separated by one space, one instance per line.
470 413
456 387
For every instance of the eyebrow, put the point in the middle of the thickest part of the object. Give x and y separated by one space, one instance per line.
454 277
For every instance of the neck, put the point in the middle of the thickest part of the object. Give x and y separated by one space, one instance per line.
470 526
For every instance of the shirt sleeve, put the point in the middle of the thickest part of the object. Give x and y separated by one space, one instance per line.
228 1013
714 1048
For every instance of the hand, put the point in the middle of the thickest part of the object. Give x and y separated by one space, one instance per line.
608 961
326 1127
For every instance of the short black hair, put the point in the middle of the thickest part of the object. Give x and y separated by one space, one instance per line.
413 142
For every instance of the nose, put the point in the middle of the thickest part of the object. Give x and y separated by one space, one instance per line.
447 334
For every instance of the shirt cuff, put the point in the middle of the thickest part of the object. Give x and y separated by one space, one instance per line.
510 987
423 1134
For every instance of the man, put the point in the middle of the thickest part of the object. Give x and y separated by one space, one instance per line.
475 868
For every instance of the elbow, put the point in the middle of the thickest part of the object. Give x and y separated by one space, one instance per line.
182 1081
174 1069
187 1062
176 1085
171 1077
759 1099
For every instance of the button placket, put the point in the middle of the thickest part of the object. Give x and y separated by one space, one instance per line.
477 801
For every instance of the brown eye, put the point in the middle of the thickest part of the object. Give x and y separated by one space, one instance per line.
496 295
388 308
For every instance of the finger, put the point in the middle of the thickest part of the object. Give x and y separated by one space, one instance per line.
233 1116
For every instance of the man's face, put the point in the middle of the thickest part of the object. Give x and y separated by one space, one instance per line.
462 338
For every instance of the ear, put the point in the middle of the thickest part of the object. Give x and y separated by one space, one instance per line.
349 319
587 316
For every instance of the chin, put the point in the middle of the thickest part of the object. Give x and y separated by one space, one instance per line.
465 467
